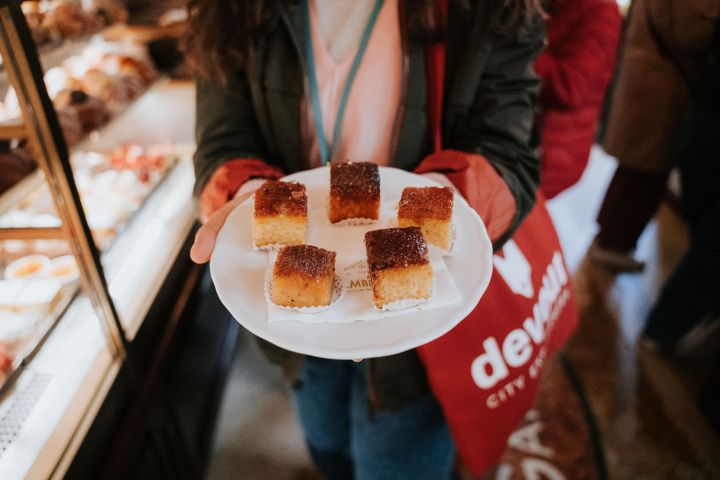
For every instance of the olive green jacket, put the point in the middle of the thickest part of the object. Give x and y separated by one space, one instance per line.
490 90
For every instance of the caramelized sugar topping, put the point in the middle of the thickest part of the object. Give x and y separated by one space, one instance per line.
304 260
395 247
280 198
426 202
358 181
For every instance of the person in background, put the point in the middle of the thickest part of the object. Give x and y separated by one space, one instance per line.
691 294
575 70
666 46
256 120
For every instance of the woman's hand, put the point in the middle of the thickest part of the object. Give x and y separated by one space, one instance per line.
204 244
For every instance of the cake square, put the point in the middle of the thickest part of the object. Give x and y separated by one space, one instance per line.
303 276
429 208
399 265
354 191
280 214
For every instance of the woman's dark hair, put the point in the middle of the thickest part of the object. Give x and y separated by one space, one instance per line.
222 32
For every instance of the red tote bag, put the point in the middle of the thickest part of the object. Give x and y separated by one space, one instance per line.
485 372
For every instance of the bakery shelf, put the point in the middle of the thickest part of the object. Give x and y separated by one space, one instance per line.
11 130
167 214
55 56
44 328
135 266
122 129
144 33
105 237
62 381
141 256
53 53
22 408
36 181
32 233
53 402
167 107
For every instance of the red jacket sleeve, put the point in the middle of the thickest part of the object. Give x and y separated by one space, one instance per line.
577 66
479 183
229 177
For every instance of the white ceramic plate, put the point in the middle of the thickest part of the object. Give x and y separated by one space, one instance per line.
238 271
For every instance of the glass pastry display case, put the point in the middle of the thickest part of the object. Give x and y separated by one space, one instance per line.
95 206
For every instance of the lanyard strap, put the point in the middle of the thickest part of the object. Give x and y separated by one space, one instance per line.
435 84
326 151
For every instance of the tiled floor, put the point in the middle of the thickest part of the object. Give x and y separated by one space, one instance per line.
257 435
644 404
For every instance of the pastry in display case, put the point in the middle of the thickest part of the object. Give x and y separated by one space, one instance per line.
112 187
34 291
60 20
30 292
91 86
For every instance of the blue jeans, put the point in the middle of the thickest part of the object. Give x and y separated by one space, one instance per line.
348 441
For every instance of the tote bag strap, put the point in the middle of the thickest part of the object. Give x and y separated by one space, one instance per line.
435 80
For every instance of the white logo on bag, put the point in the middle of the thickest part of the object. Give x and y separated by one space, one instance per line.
535 460
518 346
514 268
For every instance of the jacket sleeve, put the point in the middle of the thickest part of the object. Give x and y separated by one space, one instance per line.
227 130
578 69
500 119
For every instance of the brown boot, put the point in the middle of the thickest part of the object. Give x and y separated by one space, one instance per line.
592 284
613 260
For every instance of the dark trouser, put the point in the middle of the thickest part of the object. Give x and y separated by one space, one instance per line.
693 290
630 203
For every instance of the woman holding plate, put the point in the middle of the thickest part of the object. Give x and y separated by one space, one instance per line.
292 85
